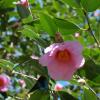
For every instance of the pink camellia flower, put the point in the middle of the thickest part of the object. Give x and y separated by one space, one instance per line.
4 83
58 87
63 59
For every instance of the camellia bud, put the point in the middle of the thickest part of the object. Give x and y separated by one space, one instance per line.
58 37
58 87
77 35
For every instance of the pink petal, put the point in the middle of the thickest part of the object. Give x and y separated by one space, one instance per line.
48 49
60 71
82 63
45 59
74 46
58 47
76 51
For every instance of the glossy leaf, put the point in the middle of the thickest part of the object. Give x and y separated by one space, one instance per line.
6 64
28 31
89 95
66 27
41 84
64 95
48 24
39 95
72 3
90 5
39 69
91 71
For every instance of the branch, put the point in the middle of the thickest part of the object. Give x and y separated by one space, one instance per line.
89 29
24 75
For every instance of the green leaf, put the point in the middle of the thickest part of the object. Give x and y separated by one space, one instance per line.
6 4
40 95
72 3
90 5
29 82
53 25
39 69
28 19
89 95
6 64
66 96
91 71
48 24
28 31
94 53
97 79
41 84
66 27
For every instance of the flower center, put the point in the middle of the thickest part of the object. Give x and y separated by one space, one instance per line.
1 82
63 55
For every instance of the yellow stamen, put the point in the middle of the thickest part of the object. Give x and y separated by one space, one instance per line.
63 55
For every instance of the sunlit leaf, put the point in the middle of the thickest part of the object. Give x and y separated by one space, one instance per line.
39 95
90 5
89 95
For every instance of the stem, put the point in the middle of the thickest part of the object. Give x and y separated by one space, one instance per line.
89 29
22 64
24 75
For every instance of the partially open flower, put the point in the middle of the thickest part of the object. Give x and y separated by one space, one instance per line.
23 3
4 83
63 59
58 87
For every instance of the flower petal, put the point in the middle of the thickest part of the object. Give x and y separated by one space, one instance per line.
45 59
48 49
61 72
76 49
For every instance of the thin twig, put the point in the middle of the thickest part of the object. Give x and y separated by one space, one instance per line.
24 75
86 84
93 91
89 28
